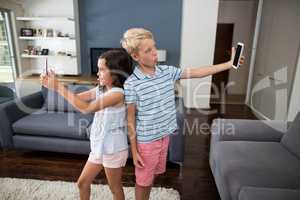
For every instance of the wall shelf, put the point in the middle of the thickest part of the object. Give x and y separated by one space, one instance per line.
45 18
45 38
54 32
45 27
46 56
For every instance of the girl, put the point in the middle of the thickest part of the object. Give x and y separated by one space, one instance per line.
109 147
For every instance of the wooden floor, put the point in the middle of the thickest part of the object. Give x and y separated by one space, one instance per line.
195 181
229 99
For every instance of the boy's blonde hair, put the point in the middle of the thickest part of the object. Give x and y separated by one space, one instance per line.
133 37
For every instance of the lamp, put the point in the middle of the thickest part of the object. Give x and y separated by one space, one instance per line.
161 55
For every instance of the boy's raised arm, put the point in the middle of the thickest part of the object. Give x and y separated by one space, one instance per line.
199 72
202 71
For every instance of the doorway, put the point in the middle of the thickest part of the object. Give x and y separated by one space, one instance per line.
7 58
224 37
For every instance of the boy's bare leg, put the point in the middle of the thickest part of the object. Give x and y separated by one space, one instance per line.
114 178
142 193
86 178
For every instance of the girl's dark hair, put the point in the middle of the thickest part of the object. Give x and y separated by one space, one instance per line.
119 64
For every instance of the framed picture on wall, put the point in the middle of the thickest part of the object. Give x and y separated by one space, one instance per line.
39 32
45 52
26 32
49 33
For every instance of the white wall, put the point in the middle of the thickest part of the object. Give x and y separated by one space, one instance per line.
199 21
242 14
13 6
294 106
49 8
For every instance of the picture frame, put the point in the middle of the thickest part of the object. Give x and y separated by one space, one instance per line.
45 52
49 33
26 32
34 32
39 32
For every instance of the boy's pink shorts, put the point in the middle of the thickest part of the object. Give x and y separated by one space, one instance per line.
154 155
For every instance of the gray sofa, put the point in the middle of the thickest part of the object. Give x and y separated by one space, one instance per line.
6 94
256 160
45 121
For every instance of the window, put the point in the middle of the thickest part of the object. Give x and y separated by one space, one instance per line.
6 61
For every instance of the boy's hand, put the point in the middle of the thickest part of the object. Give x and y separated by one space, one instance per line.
137 160
49 81
241 61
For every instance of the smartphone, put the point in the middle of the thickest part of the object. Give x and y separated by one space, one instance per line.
46 66
238 54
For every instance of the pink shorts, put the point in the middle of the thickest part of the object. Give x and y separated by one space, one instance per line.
115 160
154 155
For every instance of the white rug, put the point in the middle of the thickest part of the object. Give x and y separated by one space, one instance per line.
21 189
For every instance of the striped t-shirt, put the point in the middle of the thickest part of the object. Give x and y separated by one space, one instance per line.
154 98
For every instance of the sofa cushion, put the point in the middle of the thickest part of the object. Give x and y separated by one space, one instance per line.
55 102
54 124
258 164
291 140
250 193
4 99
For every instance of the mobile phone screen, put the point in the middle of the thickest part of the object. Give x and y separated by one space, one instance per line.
46 63
237 55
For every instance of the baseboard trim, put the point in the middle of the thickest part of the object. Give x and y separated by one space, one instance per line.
258 114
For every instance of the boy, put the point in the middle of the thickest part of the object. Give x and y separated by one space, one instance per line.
151 112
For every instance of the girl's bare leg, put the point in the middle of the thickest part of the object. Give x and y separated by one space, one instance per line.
88 174
114 178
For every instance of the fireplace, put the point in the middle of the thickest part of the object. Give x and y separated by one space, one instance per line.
95 53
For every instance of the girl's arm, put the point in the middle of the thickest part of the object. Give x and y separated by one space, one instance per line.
87 95
51 82
108 100
199 72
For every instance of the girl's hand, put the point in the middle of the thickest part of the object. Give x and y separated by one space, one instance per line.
49 80
241 61
137 160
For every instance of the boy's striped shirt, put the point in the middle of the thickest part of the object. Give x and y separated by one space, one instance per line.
154 97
